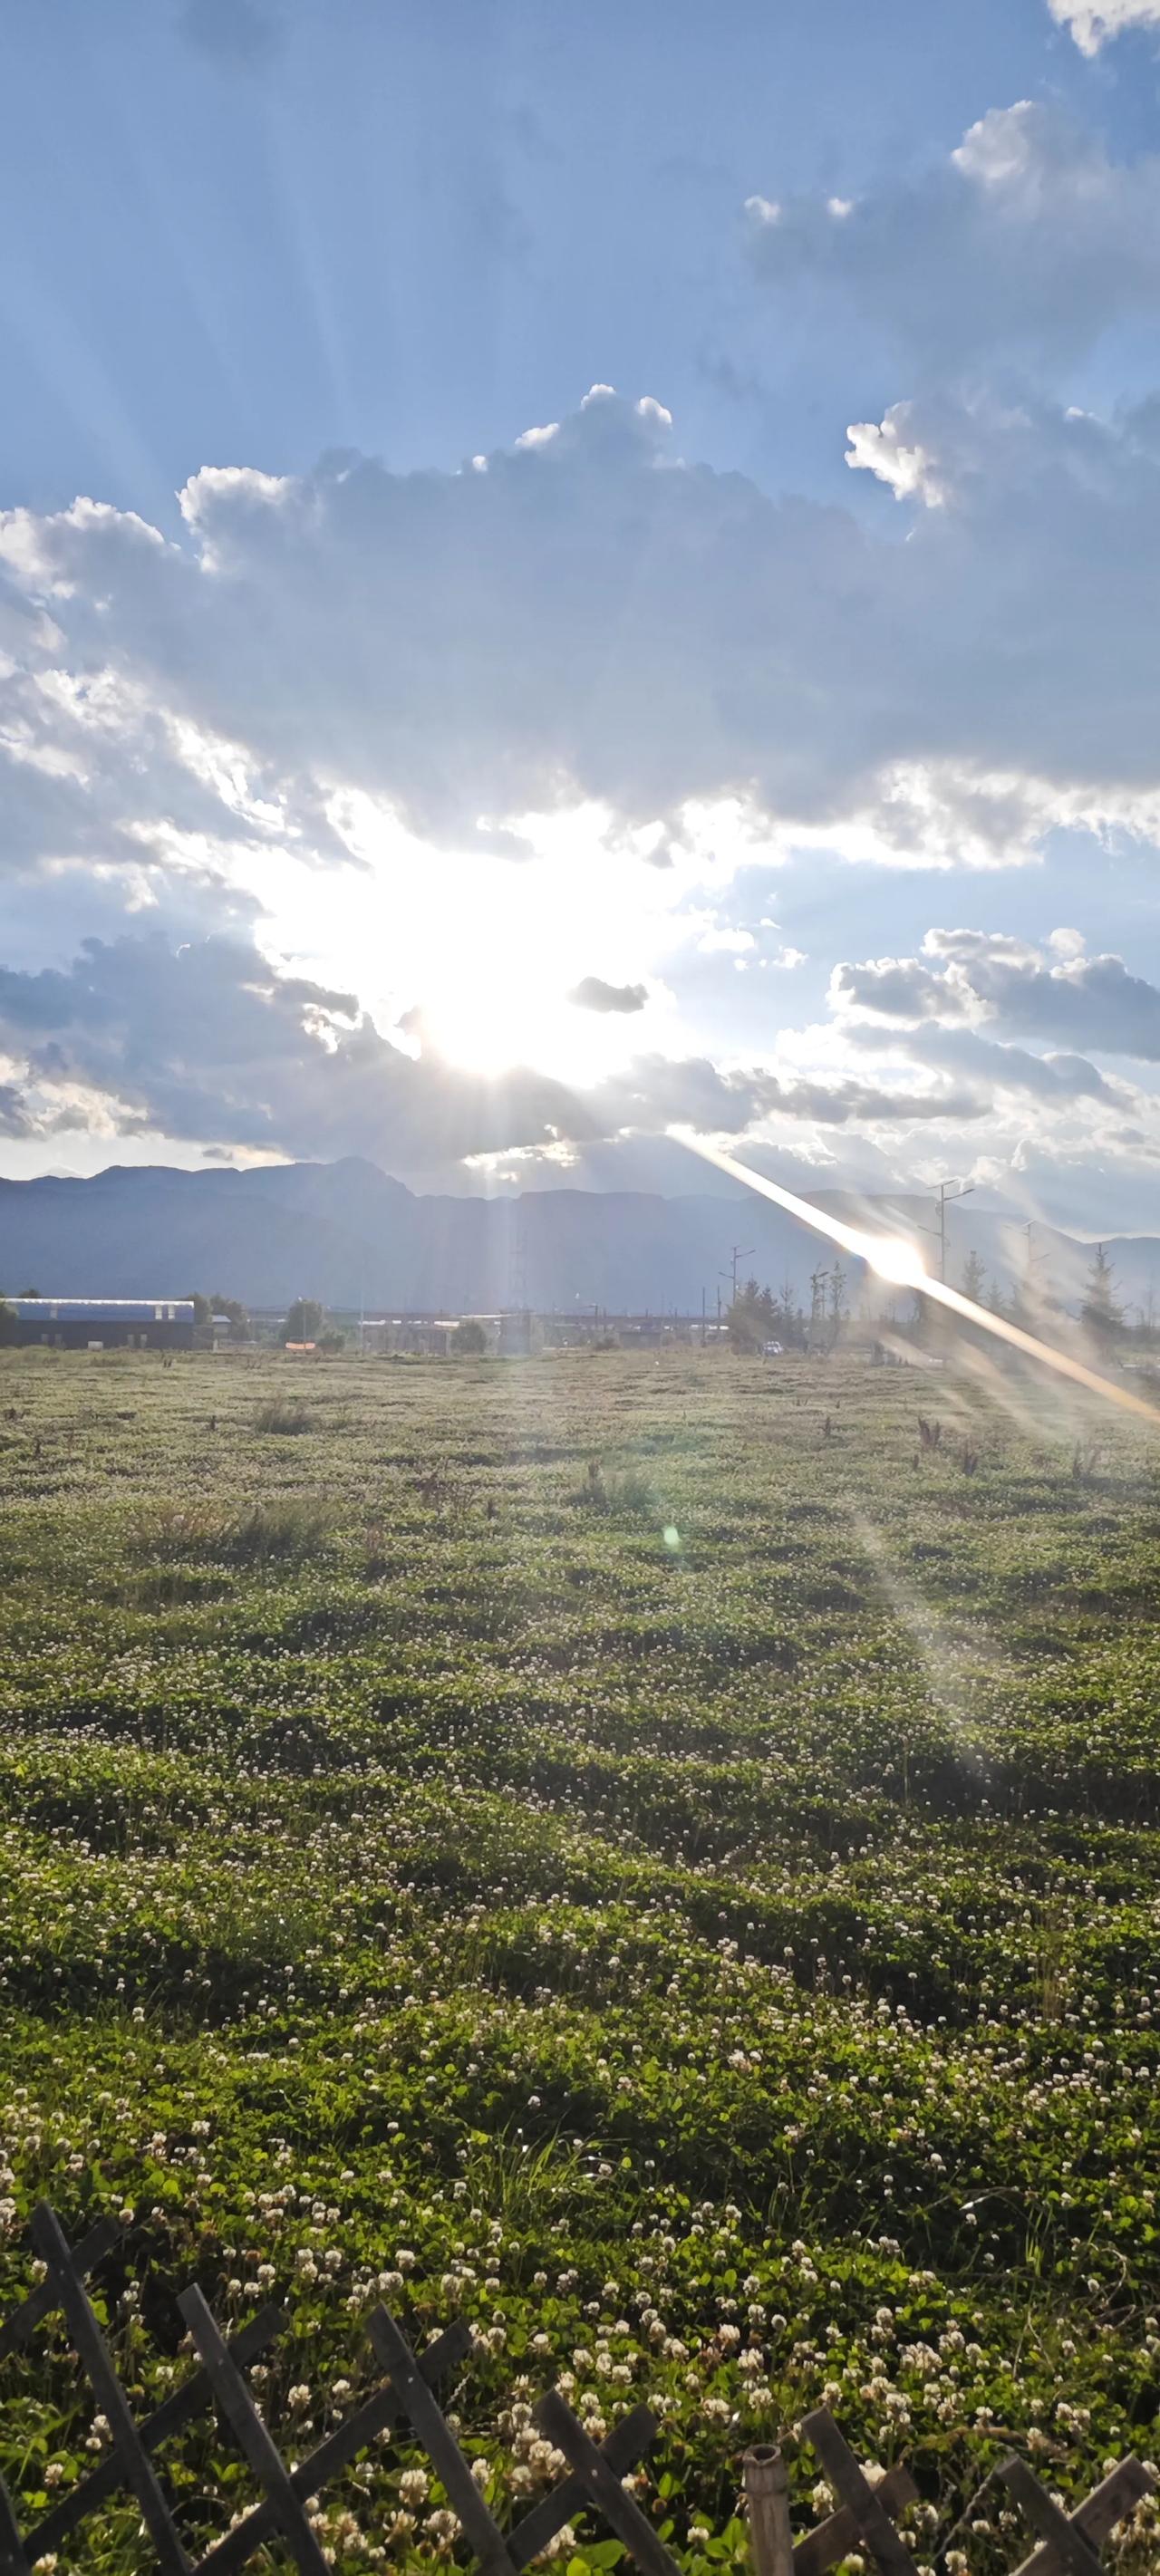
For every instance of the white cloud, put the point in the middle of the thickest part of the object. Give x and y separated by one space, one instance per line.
882 449
594 621
601 680
1093 26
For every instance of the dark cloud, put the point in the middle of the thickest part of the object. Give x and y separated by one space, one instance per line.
15 1119
656 1092
1054 1078
593 994
1026 242
900 988
1066 999
206 1041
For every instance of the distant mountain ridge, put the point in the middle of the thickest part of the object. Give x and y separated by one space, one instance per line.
348 1234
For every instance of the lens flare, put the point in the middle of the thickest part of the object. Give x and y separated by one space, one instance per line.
895 1259
881 1251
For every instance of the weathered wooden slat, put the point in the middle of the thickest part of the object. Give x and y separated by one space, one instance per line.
170 2417
1069 2543
378 2414
874 2526
252 2435
439 2442
625 2445
14 2559
623 2517
49 2240
835 2538
24 2320
1098 2514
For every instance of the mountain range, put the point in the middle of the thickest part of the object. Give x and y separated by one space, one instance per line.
348 1234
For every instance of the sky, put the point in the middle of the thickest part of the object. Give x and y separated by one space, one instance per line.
569 577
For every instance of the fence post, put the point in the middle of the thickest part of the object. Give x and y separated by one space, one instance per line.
767 2496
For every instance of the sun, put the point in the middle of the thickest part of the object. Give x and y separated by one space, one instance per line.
485 1013
475 958
895 1259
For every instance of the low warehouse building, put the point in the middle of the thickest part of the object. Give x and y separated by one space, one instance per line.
104 1323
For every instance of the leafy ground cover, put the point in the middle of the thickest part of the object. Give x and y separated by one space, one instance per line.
641 1853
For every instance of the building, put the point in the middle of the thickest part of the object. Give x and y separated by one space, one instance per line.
427 1337
104 1323
506 1336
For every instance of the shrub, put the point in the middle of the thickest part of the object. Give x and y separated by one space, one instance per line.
290 1525
626 1490
282 1413
295 1525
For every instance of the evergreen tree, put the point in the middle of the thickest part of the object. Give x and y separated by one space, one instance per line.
974 1279
1101 1310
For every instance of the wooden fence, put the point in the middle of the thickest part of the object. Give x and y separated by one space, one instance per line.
404 2411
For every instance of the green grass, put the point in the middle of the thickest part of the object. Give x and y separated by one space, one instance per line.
684 1875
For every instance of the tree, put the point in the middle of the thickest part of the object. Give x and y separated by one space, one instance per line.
974 1279
838 1307
752 1318
469 1340
818 1279
788 1317
305 1321
9 1327
202 1309
1101 1310
237 1316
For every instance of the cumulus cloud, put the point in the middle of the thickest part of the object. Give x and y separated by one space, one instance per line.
1094 22
592 618
1027 240
999 1066
208 1041
1060 996
593 994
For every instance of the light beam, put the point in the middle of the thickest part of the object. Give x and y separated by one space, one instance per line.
896 1259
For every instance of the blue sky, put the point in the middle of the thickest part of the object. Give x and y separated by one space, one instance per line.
824 639
414 230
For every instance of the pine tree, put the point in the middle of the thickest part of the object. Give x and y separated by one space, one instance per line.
1101 1310
974 1279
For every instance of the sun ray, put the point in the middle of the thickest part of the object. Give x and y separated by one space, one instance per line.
895 1258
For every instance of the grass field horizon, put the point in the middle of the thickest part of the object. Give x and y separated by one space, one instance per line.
641 1852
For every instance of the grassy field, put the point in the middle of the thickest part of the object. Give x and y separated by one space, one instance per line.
638 1852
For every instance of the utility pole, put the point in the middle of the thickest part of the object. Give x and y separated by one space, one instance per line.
948 1190
740 1252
